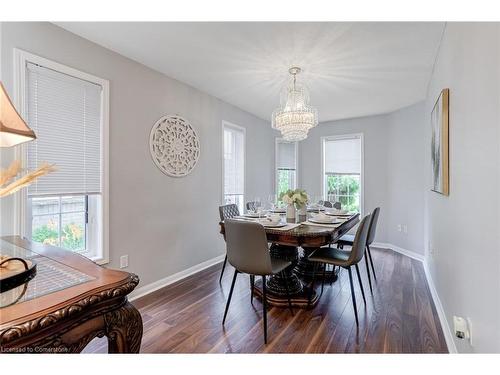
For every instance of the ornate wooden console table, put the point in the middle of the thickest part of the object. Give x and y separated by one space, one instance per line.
69 302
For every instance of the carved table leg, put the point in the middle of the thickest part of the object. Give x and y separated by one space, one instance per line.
123 328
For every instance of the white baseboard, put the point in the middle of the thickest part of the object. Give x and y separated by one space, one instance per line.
397 249
150 288
448 335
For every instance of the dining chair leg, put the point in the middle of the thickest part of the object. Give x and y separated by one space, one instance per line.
324 277
223 268
252 284
353 296
360 283
264 307
309 298
371 261
368 272
230 295
333 274
288 296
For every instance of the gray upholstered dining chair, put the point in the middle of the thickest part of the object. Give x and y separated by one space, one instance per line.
248 252
226 212
337 205
345 259
327 204
252 206
348 239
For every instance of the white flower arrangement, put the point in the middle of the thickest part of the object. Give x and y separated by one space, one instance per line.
297 196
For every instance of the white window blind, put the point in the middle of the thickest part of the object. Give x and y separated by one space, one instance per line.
286 155
343 156
234 169
65 113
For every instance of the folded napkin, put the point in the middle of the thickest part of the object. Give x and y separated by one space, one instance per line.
287 227
332 226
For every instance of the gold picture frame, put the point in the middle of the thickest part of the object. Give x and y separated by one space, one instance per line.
440 144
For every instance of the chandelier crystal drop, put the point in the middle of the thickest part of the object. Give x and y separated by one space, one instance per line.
295 117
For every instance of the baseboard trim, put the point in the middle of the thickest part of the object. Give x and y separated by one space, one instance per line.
448 335
400 250
154 286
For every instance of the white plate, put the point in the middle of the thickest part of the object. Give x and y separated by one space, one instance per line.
254 216
313 220
335 214
271 225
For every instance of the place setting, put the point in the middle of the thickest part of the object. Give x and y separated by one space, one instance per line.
324 220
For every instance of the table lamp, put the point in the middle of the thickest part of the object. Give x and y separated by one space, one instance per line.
15 271
14 131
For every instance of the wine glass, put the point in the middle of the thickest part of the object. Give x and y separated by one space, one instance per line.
271 200
258 206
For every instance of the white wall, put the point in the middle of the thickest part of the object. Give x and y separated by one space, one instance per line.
164 224
393 167
406 182
463 228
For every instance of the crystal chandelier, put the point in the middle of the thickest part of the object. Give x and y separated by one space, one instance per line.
295 116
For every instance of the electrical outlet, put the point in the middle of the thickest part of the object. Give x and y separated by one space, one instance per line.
405 229
399 227
124 261
462 328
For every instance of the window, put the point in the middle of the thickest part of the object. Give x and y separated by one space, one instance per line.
67 111
234 165
286 166
342 171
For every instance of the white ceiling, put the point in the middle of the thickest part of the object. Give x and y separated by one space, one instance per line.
351 69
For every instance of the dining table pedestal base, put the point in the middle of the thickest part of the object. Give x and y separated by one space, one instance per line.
279 285
304 268
299 300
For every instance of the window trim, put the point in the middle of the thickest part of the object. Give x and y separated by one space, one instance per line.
244 131
296 145
21 58
362 175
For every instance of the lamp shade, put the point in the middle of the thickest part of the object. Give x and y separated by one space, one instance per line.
13 129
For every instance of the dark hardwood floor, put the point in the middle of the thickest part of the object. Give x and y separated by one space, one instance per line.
400 317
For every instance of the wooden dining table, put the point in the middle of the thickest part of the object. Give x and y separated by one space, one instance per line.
295 245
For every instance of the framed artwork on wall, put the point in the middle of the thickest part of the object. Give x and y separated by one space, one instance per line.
440 144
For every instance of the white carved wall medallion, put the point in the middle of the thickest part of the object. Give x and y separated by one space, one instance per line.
174 146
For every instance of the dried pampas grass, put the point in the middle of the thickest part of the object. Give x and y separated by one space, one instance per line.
7 174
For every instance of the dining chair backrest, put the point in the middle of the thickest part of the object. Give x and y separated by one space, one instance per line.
337 205
228 211
247 249
373 225
252 206
359 243
328 204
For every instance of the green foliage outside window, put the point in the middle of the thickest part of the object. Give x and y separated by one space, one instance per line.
72 236
344 189
285 181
